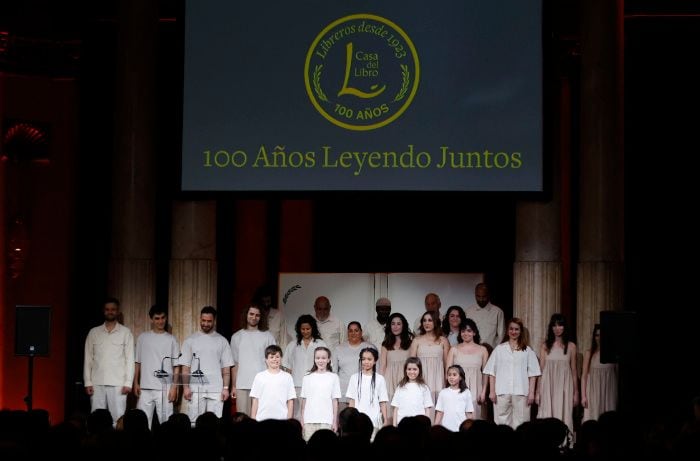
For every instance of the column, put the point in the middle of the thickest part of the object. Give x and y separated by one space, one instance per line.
132 266
193 269
601 216
537 272
542 247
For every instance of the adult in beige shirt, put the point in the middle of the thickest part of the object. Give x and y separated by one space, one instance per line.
432 304
488 317
264 297
331 328
108 368
375 329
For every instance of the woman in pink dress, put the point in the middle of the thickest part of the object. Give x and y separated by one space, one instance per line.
397 342
598 382
431 347
472 357
557 393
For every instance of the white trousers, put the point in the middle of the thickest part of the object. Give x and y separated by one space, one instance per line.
109 397
152 400
203 402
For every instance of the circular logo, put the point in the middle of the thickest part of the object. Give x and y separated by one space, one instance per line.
361 72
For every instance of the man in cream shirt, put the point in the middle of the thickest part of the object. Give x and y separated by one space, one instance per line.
331 328
488 318
108 369
374 330
432 304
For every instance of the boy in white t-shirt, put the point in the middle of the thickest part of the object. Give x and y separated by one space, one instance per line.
273 391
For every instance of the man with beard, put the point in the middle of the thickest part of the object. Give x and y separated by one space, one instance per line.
248 347
375 329
206 362
108 369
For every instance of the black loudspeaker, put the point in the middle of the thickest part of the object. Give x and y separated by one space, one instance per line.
32 330
619 335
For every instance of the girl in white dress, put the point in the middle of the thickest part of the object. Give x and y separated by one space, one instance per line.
454 403
367 390
345 359
320 391
412 397
298 356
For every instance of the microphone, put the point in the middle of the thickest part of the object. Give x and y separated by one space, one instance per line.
162 373
198 373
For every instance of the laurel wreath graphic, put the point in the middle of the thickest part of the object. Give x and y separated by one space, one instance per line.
289 292
317 83
404 84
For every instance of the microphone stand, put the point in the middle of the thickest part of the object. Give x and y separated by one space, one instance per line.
198 373
162 373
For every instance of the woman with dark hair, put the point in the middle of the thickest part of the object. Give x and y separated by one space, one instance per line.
557 393
598 382
397 342
298 357
472 357
431 347
345 358
451 323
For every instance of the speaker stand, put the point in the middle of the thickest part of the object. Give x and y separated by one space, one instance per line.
30 382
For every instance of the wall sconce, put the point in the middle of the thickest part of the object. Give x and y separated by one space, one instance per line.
18 247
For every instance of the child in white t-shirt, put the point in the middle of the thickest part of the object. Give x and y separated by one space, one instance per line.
320 391
272 392
412 396
454 404
367 389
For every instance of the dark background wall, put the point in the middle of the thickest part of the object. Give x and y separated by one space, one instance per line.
70 196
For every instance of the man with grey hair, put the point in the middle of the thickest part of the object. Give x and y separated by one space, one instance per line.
331 328
432 303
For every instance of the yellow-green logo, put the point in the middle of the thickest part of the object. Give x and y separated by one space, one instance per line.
361 72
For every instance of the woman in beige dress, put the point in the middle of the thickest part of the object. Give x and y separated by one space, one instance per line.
472 357
557 393
598 382
397 342
431 347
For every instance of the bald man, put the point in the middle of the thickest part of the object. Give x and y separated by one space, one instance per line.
331 328
432 304
488 317
374 330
